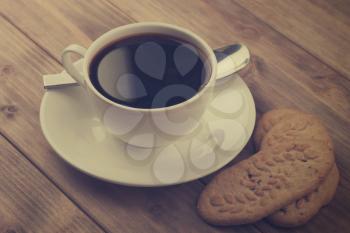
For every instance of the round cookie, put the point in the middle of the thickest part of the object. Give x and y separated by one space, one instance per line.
266 182
301 211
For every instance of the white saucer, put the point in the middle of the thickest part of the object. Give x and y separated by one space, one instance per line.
69 126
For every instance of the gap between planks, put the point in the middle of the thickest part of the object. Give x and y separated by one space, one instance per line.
111 3
28 37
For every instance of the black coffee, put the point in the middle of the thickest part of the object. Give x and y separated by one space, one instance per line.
149 71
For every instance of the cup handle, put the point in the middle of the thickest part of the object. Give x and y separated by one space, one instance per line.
69 65
231 59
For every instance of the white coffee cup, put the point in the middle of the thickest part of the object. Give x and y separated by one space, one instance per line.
151 127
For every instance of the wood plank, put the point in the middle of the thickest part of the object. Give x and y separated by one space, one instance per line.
29 202
338 8
318 26
116 208
281 74
91 19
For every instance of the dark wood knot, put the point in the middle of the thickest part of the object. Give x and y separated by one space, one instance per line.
6 70
156 210
259 63
9 110
10 231
248 31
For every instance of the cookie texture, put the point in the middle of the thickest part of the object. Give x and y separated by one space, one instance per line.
302 210
266 182
269 119
298 127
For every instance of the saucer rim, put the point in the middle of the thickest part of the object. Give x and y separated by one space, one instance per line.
58 151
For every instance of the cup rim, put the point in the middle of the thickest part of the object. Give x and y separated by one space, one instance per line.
209 55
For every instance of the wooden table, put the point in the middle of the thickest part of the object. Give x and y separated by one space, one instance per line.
300 58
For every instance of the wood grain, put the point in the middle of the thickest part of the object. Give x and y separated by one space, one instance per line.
76 21
338 8
320 26
116 208
31 203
